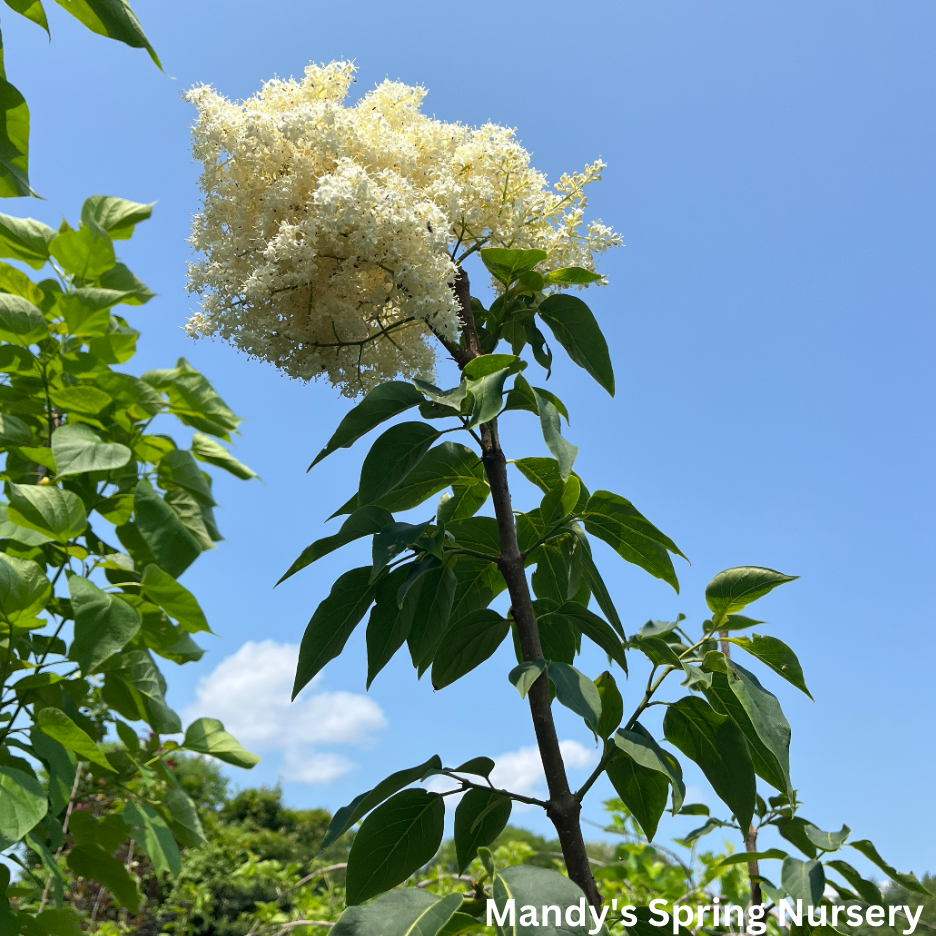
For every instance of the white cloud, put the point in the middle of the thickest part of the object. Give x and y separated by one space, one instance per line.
249 692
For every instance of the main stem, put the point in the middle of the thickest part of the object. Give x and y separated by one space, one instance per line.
563 807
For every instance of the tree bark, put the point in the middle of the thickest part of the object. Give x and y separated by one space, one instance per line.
563 806
750 845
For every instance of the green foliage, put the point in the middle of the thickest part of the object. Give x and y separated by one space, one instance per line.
82 470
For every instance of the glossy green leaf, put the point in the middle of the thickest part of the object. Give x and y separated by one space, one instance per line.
388 625
868 891
803 880
60 764
134 686
391 540
507 265
480 766
111 18
595 629
406 912
23 803
466 645
759 716
634 538
117 216
332 623
213 453
172 544
47 509
194 400
718 746
736 588
14 142
464 502
485 377
479 818
135 292
24 589
184 822
643 791
827 841
176 600
577 330
78 449
777 655
431 615
530 886
612 705
207 736
26 240
908 881
394 841
572 276
13 431
91 861
21 323
362 804
86 253
747 857
178 469
453 399
525 674
577 692
392 457
153 835
794 831
638 745
58 726
562 450
104 624
382 403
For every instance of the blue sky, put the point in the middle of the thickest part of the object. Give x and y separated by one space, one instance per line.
770 167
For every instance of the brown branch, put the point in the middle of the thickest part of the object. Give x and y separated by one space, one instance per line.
750 845
563 807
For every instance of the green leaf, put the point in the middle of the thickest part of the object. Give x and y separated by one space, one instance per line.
13 431
26 240
447 464
172 544
757 713
392 457
86 253
717 745
104 624
389 624
111 18
525 674
908 881
612 705
362 804
92 862
507 265
464 502
207 736
563 451
746 857
363 522
332 623
794 831
577 692
432 602
407 912
135 292
24 589
479 818
639 746
643 791
736 588
185 824
827 841
46 509
23 804
394 841
467 645
392 540
61 765
453 399
58 726
178 469
213 453
176 600
134 686
869 893
154 836
485 377
21 323
594 628
14 142
32 10
382 403
530 886
634 538
78 449
777 655
480 766
117 216
597 586
194 400
576 329
803 880
572 276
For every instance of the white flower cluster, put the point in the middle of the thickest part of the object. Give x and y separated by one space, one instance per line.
329 235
